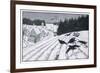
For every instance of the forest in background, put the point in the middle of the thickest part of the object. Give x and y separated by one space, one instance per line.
68 25
82 23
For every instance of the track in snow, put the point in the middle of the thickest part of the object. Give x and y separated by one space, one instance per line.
51 49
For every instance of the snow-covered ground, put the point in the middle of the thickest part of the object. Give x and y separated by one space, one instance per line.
34 34
49 48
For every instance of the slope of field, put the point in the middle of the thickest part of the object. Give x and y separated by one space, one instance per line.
49 48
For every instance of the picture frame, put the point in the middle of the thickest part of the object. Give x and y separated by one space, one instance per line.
35 24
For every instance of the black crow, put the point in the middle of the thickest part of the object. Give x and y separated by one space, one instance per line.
73 47
62 42
82 42
72 40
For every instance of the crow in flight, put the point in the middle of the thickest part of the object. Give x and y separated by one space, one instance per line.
82 42
62 42
73 47
72 40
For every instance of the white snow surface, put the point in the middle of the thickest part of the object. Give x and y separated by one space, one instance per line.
49 48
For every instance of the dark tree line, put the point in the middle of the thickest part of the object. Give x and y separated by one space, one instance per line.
81 23
39 22
27 21
31 22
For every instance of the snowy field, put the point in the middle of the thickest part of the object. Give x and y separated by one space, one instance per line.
41 44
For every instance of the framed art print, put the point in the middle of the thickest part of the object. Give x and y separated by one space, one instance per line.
52 36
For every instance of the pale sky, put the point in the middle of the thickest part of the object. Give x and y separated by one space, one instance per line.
50 17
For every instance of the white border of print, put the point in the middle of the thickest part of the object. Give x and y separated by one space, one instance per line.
38 64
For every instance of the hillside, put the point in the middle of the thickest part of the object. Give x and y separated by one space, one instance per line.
49 48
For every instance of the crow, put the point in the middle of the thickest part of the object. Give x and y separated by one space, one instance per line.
62 42
72 40
82 42
73 47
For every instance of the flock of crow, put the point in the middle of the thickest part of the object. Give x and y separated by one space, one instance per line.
72 41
